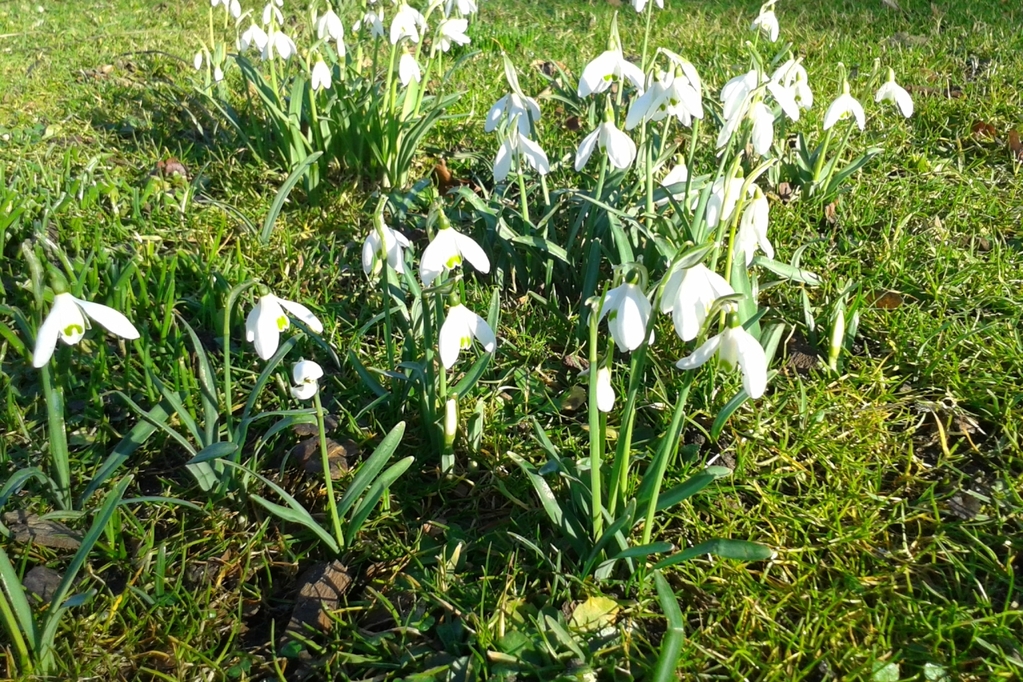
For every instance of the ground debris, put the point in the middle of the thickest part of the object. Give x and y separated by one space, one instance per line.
42 582
29 528
320 590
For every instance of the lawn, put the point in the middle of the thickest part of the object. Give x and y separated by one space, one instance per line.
861 520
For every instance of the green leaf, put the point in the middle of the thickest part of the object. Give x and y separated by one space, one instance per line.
131 442
376 491
299 516
741 550
18 602
282 195
671 644
690 487
789 272
885 672
370 468
214 451
207 386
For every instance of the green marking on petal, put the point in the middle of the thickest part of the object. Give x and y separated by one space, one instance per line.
282 323
454 261
465 342
73 330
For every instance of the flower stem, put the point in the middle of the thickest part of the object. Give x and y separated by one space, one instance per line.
646 34
596 432
623 450
58 436
228 404
325 460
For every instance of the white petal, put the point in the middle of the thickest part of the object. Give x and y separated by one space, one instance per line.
452 332
63 314
304 391
701 355
596 76
763 128
495 114
472 252
752 362
483 333
370 249
534 155
671 284
586 147
408 69
303 314
502 162
264 329
113 321
436 256
621 150
306 370
633 313
605 392
786 98
632 73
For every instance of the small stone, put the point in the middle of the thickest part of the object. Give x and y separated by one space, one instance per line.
42 582
31 529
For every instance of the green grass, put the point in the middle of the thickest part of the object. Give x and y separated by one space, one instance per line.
892 492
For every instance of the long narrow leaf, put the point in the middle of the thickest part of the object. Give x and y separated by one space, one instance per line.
370 468
282 195
131 442
17 600
671 644
742 550
376 491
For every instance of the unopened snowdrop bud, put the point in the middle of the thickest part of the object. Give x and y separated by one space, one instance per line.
893 92
320 78
197 61
450 422
605 392
218 74
837 336
767 22
408 70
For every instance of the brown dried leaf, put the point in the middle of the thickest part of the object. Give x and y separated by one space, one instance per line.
31 529
42 582
320 590
831 213
982 129
887 300
1015 146
305 430
572 123
307 456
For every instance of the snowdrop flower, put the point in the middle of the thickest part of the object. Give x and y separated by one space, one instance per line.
408 70
753 228
893 92
605 392
68 320
767 22
676 175
517 144
793 76
628 313
460 326
465 7
254 36
451 31
406 24
374 21
513 105
265 322
197 61
320 77
845 105
446 252
278 42
651 102
724 194
639 6
270 12
329 26
305 375
734 346
599 73
786 98
621 150
736 92
763 127
392 243
218 74
689 295
232 7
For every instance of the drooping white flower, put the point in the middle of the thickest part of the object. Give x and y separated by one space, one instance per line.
465 7
609 65
517 145
460 326
446 251
393 243
786 98
753 228
218 74
628 313
735 93
676 175
407 23
639 6
408 70
280 44
734 346
234 9
605 391
893 92
767 23
689 295
763 127
68 320
321 77
329 26
254 36
305 375
373 20
451 31
271 13
652 101
724 194
620 149
844 106
792 75
197 60
265 322
511 106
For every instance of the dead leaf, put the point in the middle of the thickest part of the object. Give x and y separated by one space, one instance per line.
31 529
171 167
786 192
982 129
42 582
306 430
572 123
887 300
307 456
594 614
831 213
320 590
1015 146
576 362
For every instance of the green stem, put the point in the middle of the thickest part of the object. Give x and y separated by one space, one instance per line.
57 432
596 433
623 450
447 457
325 460
646 34
228 400
523 198
822 152
378 225
666 452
